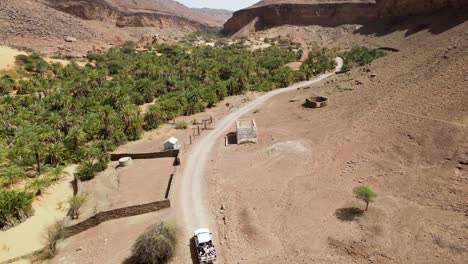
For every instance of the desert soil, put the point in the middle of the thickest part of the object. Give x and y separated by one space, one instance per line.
398 125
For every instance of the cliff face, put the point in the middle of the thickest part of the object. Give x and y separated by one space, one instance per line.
102 10
271 13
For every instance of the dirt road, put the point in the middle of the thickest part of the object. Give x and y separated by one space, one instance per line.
191 200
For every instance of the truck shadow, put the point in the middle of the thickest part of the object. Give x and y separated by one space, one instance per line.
193 251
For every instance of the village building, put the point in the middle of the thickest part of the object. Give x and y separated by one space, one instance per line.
246 131
171 144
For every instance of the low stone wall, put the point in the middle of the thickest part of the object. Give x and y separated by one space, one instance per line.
153 155
116 214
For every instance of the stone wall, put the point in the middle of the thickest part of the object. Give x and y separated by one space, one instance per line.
116 214
246 131
153 155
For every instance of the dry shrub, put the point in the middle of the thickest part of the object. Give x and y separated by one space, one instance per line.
157 245
52 235
75 202
181 125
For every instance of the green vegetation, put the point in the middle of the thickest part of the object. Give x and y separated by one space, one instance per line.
207 35
71 114
56 173
15 207
182 125
365 194
317 62
75 202
10 175
37 185
157 245
360 56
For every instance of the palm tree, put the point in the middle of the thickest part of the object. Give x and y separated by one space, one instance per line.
55 153
130 115
10 175
75 138
37 185
56 173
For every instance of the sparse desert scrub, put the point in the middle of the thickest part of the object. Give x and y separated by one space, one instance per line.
157 245
15 207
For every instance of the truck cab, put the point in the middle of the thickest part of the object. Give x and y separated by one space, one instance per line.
204 244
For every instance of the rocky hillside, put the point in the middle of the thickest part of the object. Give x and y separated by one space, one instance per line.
44 25
272 13
140 13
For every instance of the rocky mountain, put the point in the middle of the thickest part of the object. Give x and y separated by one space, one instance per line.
140 13
44 25
272 13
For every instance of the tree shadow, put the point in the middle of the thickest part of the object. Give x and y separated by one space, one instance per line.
349 214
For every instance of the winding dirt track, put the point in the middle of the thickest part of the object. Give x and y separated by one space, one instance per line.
190 195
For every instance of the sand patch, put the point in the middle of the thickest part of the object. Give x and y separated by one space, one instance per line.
28 236
7 57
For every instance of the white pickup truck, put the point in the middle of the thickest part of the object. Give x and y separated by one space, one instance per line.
204 245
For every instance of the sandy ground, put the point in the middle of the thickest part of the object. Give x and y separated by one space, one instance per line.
7 57
28 236
395 125
110 242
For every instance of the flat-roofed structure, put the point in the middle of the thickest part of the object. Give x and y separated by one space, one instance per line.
246 131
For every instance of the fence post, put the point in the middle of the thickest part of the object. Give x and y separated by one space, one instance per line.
198 128
190 139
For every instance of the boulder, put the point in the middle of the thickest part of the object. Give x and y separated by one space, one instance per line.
70 39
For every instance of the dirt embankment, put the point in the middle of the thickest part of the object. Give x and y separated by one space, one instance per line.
399 125
330 13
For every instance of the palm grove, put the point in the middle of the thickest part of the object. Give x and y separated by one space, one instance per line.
70 114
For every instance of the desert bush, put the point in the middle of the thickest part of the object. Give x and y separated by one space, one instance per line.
75 202
157 245
182 125
51 237
15 207
365 194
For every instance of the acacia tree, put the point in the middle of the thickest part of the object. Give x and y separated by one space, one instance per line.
365 194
